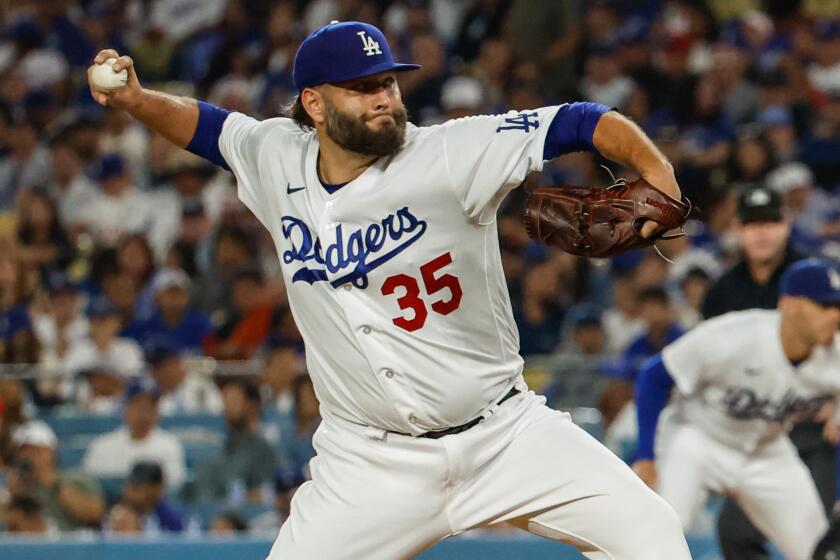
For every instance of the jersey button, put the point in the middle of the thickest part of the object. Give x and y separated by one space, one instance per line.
412 419
366 329
389 374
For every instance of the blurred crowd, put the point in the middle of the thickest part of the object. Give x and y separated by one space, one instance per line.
127 265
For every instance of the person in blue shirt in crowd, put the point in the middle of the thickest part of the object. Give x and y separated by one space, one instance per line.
17 340
616 400
187 328
540 309
182 390
295 444
144 494
660 330
286 483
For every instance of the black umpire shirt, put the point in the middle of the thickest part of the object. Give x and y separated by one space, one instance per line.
737 290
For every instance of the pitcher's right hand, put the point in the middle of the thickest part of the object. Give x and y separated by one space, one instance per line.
123 96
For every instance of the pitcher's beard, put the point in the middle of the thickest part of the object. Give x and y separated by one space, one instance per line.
353 134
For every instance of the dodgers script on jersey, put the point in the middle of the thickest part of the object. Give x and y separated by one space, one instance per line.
395 280
737 385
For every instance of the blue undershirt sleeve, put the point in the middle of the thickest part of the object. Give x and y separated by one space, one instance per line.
837 496
653 388
205 141
572 128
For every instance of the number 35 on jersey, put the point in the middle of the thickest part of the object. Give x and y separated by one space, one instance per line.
441 291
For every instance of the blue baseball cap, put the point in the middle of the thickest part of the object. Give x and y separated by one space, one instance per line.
775 115
343 51
102 307
110 165
159 349
142 386
827 29
585 315
815 279
59 282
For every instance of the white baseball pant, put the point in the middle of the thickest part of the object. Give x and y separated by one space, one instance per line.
376 495
772 485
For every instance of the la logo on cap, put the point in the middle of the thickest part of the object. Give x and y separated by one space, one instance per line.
370 46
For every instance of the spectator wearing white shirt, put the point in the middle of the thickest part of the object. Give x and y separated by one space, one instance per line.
62 325
119 208
603 81
123 135
26 163
100 390
176 19
190 180
103 346
621 321
105 360
824 70
140 439
73 190
182 391
812 212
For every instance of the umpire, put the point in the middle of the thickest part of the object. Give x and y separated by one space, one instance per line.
753 282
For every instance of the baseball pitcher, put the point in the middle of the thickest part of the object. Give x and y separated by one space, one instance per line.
389 249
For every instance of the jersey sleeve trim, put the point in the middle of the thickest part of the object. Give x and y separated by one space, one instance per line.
572 128
205 140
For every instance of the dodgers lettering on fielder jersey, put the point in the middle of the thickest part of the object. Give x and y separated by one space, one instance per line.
395 280
736 383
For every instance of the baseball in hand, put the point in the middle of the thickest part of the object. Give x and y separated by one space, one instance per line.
104 77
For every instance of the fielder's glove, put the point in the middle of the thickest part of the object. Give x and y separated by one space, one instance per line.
602 222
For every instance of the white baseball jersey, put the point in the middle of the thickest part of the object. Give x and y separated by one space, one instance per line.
737 385
395 280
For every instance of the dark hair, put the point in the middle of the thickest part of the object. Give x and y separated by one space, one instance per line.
26 504
295 111
237 522
695 273
235 233
186 255
145 246
250 390
249 273
298 386
26 231
146 472
653 294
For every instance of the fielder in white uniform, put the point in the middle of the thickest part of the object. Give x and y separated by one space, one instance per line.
742 379
389 246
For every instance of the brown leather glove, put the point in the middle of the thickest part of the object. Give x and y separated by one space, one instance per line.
601 222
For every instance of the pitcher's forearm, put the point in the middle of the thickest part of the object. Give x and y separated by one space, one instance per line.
173 117
619 139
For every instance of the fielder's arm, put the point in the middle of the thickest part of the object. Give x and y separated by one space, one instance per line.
175 118
653 388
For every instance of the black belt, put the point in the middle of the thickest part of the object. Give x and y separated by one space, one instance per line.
463 427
